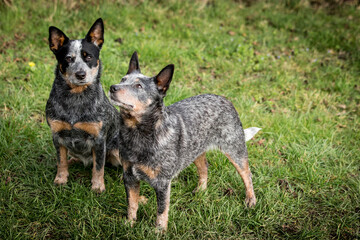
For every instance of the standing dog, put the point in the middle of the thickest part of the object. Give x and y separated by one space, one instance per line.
84 124
157 142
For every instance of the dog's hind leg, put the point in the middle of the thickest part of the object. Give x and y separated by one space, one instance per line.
113 157
242 167
202 169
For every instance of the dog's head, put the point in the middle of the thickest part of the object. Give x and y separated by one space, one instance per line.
78 60
137 94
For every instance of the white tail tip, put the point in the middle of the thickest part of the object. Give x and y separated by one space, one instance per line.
250 132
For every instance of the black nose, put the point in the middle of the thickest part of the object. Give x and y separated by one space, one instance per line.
114 88
80 75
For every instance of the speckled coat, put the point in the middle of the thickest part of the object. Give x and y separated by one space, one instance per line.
157 142
83 122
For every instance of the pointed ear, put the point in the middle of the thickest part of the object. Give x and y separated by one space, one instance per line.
163 79
56 39
96 33
134 64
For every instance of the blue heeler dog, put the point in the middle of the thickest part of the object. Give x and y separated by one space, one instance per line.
157 142
83 122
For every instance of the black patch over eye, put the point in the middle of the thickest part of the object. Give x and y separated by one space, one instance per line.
138 86
123 79
87 57
68 59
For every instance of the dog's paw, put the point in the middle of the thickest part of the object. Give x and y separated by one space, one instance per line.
250 201
131 222
160 229
60 179
98 187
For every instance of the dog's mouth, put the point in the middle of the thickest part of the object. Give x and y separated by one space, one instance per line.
81 82
114 100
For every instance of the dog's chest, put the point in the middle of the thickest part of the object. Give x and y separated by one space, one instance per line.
79 138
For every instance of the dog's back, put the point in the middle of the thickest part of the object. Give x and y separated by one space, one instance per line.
198 124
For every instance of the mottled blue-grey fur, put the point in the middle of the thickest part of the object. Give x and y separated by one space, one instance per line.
157 142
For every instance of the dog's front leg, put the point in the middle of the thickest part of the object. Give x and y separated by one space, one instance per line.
162 189
132 187
62 165
97 180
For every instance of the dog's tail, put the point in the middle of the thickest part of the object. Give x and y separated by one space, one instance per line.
250 132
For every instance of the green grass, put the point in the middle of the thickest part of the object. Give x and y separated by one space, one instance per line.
289 67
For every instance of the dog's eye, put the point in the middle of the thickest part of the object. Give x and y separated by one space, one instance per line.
68 59
123 79
138 86
88 57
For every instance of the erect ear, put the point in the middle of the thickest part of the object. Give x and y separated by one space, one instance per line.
164 77
134 64
96 33
56 39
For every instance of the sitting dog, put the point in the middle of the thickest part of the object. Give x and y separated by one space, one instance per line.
157 142
84 124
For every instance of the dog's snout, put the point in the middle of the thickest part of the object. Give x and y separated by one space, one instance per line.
80 75
114 88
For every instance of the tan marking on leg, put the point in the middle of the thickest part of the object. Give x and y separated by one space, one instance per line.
245 174
125 164
148 171
97 180
162 219
113 157
57 125
92 128
133 201
62 167
202 169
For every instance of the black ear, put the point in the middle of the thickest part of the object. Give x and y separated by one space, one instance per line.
56 39
96 33
164 77
134 64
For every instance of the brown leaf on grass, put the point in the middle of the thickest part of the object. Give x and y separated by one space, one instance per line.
341 113
284 184
342 106
142 29
260 142
8 179
326 103
119 40
231 33
341 126
229 192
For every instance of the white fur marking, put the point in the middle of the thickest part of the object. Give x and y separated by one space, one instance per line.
250 132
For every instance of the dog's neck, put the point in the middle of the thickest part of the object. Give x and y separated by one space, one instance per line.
146 124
